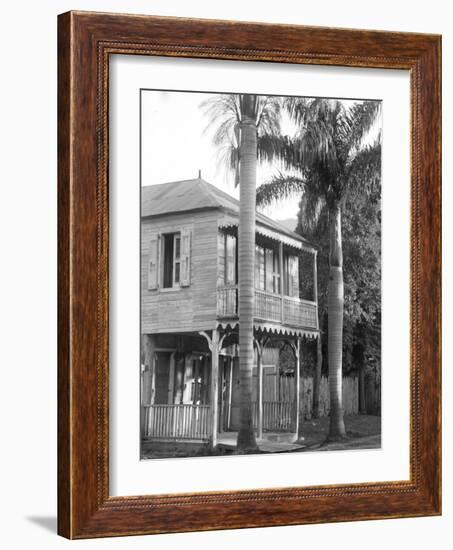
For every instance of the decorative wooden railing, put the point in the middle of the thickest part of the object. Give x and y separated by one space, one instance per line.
278 416
270 307
178 421
227 301
194 421
300 313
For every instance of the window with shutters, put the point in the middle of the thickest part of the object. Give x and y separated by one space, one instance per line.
267 269
230 260
272 267
259 268
171 257
291 276
169 260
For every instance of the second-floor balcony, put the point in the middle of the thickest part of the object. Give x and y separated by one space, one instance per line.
269 307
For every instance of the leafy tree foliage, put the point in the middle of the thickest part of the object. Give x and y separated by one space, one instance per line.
361 234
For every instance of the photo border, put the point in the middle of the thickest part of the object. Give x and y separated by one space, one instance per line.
85 42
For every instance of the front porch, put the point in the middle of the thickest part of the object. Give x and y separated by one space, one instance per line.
270 442
194 422
191 392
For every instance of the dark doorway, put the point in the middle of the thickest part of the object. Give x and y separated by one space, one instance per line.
162 377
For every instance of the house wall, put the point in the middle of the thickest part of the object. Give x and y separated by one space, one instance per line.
189 308
220 258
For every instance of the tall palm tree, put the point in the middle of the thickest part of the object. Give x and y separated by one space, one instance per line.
238 120
331 157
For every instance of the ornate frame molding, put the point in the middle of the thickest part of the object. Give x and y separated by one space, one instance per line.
86 40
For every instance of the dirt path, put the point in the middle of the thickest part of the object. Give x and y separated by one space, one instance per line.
363 431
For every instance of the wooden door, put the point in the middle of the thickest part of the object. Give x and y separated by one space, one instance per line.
226 383
162 379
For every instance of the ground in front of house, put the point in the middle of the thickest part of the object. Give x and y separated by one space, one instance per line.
363 431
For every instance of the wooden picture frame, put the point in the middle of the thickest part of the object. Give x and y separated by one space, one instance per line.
85 42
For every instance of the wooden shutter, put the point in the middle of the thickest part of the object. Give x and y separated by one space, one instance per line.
185 256
153 262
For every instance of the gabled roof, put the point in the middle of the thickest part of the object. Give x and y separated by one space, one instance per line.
198 194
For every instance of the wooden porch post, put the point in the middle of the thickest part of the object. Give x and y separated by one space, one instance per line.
179 378
215 345
230 391
259 393
315 284
282 282
148 379
149 366
315 276
171 380
214 386
299 412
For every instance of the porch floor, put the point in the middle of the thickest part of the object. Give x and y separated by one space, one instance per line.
271 442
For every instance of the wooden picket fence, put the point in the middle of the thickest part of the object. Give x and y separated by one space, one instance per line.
350 395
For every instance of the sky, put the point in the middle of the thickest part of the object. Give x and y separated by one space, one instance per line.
176 144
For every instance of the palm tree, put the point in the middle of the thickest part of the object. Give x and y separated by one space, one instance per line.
331 157
239 119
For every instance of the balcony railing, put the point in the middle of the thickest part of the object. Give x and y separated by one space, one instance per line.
285 310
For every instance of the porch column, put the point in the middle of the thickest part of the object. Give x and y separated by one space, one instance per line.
299 411
214 386
179 378
205 393
148 379
315 284
259 393
215 345
171 380
282 282
315 276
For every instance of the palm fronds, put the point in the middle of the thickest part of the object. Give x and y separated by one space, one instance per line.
226 112
279 188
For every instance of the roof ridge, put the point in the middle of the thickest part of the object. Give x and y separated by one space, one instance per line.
209 189
213 188
168 182
214 197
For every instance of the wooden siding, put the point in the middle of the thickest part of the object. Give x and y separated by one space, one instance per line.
190 308
195 307
221 258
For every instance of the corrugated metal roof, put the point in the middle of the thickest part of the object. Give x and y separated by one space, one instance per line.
195 194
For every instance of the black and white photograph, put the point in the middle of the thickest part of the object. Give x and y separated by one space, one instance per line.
227 250
260 276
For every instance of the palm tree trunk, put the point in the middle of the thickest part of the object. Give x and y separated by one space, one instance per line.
317 377
246 441
335 326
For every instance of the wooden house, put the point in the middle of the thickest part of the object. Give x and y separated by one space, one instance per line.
189 320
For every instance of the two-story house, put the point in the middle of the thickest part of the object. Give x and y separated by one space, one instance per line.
189 318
